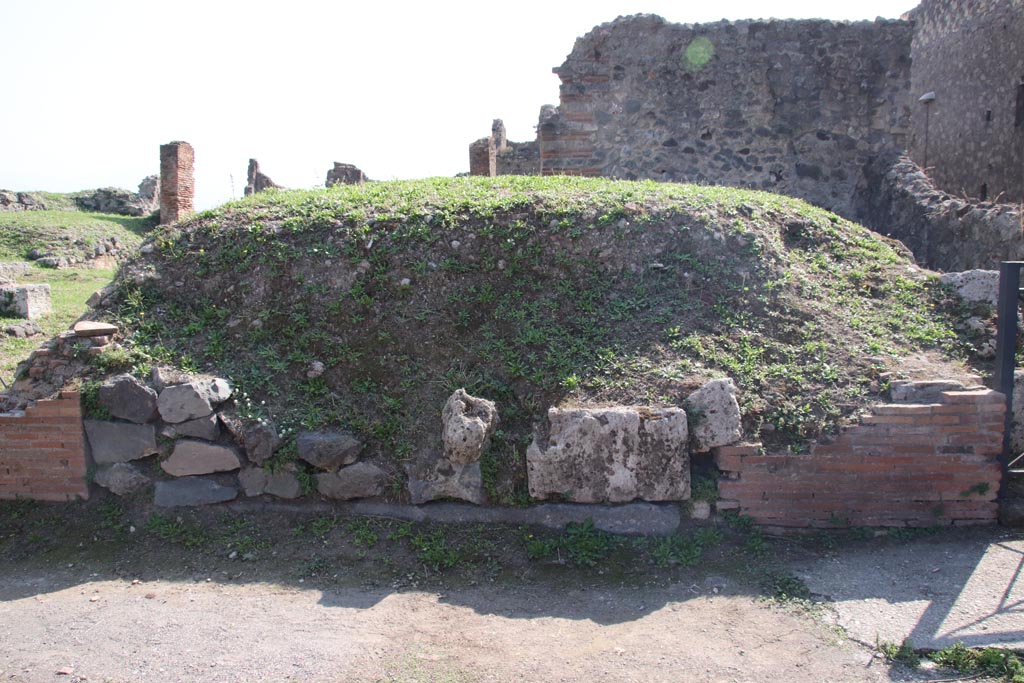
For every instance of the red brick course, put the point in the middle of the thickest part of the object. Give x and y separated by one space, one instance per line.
42 452
903 465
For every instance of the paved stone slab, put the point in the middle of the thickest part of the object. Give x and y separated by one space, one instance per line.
967 587
189 491
88 328
199 457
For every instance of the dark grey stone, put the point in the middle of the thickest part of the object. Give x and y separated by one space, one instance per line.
328 450
183 402
207 428
433 476
189 491
112 442
361 480
129 399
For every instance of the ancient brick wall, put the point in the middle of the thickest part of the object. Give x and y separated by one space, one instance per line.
796 107
970 53
495 155
42 452
903 465
177 184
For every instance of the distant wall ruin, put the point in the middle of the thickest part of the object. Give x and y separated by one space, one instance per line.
345 174
177 184
256 180
495 155
970 54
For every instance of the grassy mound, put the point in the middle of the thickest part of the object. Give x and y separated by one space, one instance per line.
531 292
65 232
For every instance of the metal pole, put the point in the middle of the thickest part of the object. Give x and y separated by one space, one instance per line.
1006 351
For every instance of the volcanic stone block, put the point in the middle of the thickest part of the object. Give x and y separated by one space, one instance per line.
433 476
199 457
121 478
361 480
328 450
119 441
191 491
183 402
127 398
611 455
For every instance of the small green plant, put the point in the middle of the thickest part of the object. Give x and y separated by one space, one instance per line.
990 661
903 653
176 531
90 401
676 550
584 544
433 551
362 532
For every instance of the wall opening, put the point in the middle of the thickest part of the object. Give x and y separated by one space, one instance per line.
1018 119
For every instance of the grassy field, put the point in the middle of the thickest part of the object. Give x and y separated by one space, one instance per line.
68 289
64 233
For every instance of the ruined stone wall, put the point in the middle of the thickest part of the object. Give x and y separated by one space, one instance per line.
519 158
970 53
795 107
495 155
177 184
944 232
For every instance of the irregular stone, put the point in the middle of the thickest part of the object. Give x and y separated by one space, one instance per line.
328 450
98 297
182 402
253 480
206 428
433 476
120 441
121 478
89 328
163 377
906 391
361 480
11 270
25 301
29 328
214 389
469 423
192 491
199 457
259 439
974 286
611 455
283 484
127 398
714 415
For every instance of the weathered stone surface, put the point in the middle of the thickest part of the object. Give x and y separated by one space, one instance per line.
345 174
260 441
29 328
121 478
257 180
191 491
214 389
90 328
127 398
253 480
283 484
100 296
974 286
120 441
469 423
199 457
611 455
206 428
930 391
12 270
328 450
1011 512
361 480
163 377
433 476
25 301
714 415
182 402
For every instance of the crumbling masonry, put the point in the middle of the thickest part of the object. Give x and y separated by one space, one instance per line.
177 186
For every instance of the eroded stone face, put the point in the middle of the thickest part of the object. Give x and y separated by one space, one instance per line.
129 399
714 415
469 422
611 455
192 457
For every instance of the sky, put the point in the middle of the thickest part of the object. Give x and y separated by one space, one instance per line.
91 88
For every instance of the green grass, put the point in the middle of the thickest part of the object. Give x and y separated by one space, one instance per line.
65 232
69 290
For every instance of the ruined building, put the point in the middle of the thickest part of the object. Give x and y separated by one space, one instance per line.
495 155
813 109
257 180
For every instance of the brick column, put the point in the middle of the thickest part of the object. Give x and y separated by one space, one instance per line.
177 186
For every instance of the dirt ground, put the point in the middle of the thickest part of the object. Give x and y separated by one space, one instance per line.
100 592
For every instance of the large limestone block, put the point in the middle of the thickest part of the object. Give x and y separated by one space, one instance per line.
25 301
469 423
191 457
361 480
611 455
127 398
714 415
975 286
119 441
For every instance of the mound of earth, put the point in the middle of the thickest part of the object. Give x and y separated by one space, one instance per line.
365 307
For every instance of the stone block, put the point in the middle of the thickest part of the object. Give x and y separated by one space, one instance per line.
183 402
121 478
91 328
433 476
283 484
468 424
975 286
192 457
714 415
113 442
127 398
611 455
206 428
25 301
328 451
361 480
191 491
253 480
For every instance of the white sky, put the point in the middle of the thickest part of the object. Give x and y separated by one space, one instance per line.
91 88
